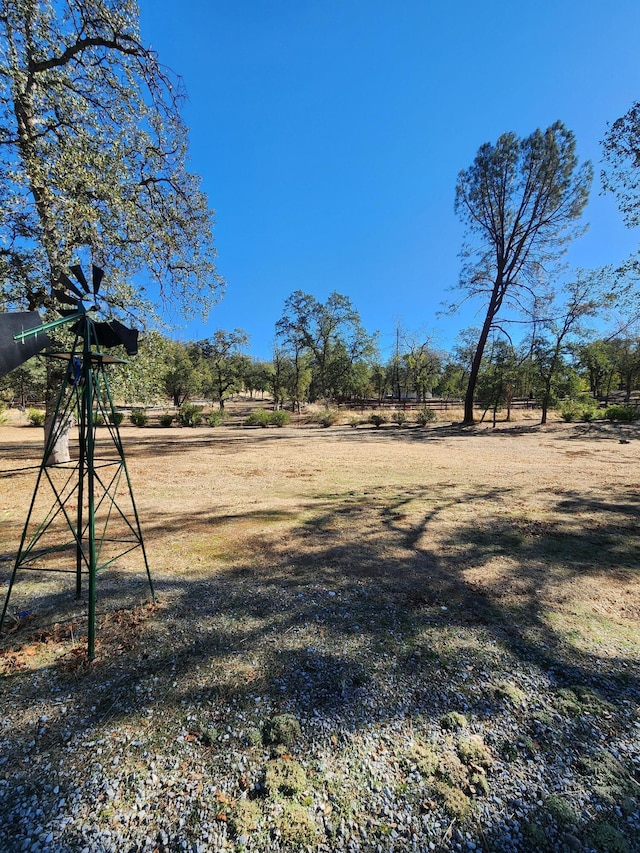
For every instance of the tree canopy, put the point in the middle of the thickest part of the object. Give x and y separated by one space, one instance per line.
93 154
621 175
331 334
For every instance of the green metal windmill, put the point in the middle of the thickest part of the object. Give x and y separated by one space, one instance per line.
82 517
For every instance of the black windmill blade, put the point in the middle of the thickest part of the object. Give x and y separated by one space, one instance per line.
67 298
76 269
109 333
73 289
96 277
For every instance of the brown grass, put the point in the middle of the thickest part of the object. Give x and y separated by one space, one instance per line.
536 527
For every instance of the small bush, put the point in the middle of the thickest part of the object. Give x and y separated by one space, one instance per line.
354 422
279 418
569 413
607 837
399 418
116 418
98 419
510 692
190 415
4 417
621 413
214 418
36 417
472 751
377 420
582 409
296 827
424 758
454 800
258 418
561 810
166 419
139 417
426 416
328 418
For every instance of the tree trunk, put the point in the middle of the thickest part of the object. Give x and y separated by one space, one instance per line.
56 376
546 397
60 449
475 367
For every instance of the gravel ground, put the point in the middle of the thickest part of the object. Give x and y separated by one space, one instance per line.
449 738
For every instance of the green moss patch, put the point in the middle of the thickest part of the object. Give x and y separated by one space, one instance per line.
285 778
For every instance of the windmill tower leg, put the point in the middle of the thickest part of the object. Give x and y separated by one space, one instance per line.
95 494
98 497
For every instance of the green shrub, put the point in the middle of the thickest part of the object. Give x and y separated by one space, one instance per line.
582 409
377 420
214 418
279 418
328 418
621 413
426 416
399 418
260 417
190 415
138 417
36 417
166 419
569 413
98 419
607 837
116 418
4 417
354 422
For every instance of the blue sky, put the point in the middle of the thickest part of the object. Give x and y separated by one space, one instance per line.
329 134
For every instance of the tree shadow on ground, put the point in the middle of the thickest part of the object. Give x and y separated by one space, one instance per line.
357 617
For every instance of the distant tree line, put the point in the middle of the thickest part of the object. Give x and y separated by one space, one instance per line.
323 354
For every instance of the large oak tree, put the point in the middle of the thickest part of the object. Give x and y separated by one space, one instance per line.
93 158
93 154
520 201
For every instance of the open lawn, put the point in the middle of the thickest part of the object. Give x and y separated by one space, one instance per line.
395 639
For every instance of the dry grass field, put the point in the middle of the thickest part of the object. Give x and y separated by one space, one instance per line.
364 639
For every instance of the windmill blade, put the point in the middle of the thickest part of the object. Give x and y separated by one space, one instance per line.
62 296
65 281
96 275
76 269
14 353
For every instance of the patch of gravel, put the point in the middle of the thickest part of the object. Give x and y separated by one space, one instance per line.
392 733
